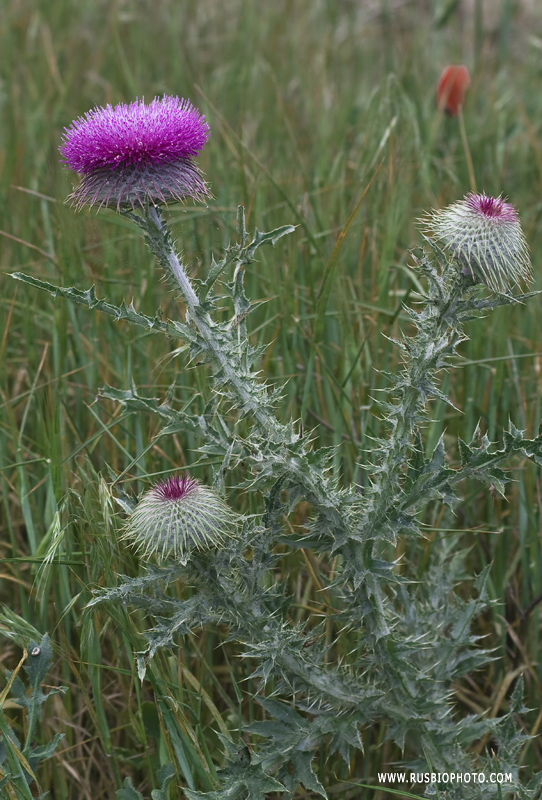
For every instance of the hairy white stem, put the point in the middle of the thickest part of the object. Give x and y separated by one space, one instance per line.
201 320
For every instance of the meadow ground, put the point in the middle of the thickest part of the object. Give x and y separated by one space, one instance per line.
312 105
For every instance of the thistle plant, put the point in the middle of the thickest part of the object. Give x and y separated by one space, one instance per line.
408 640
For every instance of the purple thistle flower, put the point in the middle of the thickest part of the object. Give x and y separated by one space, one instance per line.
484 236
177 516
126 153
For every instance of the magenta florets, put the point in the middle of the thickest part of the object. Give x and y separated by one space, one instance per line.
126 153
494 207
177 487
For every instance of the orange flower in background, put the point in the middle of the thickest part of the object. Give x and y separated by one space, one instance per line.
451 88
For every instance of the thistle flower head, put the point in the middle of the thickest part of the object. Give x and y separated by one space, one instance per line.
177 516
484 236
126 153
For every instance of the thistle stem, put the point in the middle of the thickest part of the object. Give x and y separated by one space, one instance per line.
175 266
202 322
436 339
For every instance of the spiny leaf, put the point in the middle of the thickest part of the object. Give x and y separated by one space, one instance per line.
123 312
271 237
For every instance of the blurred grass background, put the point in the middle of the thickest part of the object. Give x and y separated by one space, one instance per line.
308 103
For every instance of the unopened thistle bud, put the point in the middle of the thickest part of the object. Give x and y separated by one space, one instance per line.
484 236
127 153
177 516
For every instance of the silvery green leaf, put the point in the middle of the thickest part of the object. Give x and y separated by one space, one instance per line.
88 298
165 775
271 237
128 792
